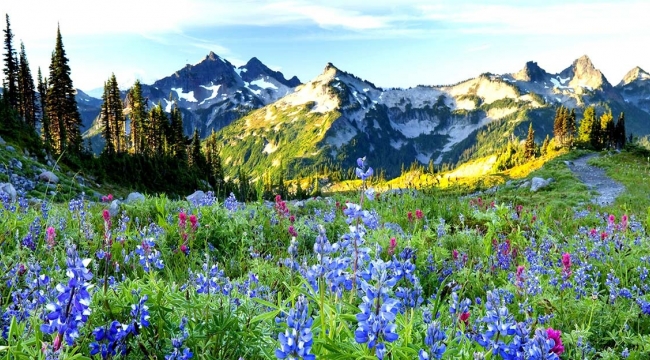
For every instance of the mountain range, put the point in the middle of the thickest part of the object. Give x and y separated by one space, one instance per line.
266 122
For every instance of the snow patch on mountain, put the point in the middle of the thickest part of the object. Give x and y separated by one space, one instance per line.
414 128
215 92
270 148
185 96
262 83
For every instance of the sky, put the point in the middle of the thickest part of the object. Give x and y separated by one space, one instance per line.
392 43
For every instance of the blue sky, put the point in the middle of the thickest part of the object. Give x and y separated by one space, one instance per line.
398 43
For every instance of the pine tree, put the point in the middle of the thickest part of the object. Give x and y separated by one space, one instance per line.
545 144
196 158
619 130
156 131
10 67
26 92
588 119
139 119
529 150
116 116
608 130
596 136
107 126
559 125
61 106
571 128
176 138
45 121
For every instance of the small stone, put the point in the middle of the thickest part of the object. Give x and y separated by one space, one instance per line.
539 183
2 141
10 148
16 164
114 208
48 176
8 189
133 197
196 197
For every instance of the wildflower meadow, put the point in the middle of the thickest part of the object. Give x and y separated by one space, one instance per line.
426 274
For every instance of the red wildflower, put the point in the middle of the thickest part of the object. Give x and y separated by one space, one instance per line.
464 317
418 214
558 348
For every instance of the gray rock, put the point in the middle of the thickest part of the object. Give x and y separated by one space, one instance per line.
16 164
10 148
299 204
26 152
133 197
49 163
48 176
568 163
2 141
114 208
8 189
80 180
525 184
196 197
539 183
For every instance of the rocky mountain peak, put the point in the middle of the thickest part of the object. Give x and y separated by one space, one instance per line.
584 75
530 72
633 75
254 68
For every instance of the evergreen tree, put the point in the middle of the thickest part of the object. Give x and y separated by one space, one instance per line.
559 125
116 115
138 116
216 175
596 136
619 130
588 119
156 131
529 149
10 67
545 144
608 130
26 91
107 126
61 103
196 158
45 121
176 138
571 128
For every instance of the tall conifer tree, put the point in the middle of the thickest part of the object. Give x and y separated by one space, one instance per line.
45 121
62 111
529 150
588 119
620 131
138 116
10 67
26 91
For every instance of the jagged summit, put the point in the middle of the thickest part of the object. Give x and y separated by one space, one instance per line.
254 68
530 72
633 75
584 75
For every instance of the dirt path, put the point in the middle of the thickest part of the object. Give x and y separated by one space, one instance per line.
596 179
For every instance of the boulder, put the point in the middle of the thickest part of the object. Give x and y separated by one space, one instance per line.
196 197
16 164
8 189
525 184
114 208
133 197
539 183
10 148
49 177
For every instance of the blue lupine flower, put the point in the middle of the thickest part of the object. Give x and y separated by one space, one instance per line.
434 340
177 344
72 308
378 309
296 341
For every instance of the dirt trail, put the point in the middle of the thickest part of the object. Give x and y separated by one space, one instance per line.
596 179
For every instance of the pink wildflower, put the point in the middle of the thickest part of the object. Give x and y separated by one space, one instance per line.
566 263
624 221
182 218
392 246
409 215
107 216
464 317
292 231
418 214
50 235
454 254
194 222
553 334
